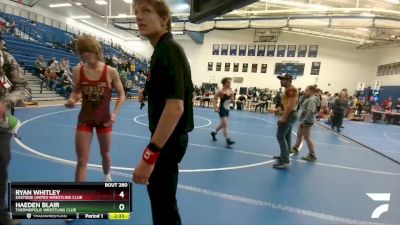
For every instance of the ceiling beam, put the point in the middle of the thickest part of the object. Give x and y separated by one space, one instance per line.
288 12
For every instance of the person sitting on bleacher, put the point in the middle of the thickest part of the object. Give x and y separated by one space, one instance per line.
69 77
66 86
40 66
51 61
70 44
55 66
66 60
51 76
64 68
12 28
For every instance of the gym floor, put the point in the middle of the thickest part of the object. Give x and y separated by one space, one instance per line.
378 136
228 186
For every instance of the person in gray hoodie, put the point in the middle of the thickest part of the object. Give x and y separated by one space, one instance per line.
307 118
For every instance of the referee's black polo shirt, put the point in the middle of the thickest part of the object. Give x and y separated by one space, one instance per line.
169 78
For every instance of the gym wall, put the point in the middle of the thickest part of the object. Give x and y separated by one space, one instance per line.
385 56
342 65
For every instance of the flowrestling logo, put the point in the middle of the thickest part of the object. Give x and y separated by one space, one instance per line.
379 197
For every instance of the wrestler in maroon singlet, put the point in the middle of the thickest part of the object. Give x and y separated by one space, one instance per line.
96 97
93 83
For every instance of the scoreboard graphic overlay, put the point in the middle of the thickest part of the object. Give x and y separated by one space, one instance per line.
89 200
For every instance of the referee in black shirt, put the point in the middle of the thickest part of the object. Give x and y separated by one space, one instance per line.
169 89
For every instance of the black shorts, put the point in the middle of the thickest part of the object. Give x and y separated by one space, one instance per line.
223 112
306 125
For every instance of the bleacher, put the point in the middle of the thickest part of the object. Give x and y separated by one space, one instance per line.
27 51
39 32
110 50
40 39
40 94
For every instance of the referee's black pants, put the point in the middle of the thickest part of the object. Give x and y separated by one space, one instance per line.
164 180
5 156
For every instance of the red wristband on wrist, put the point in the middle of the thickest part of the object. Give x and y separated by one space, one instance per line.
149 156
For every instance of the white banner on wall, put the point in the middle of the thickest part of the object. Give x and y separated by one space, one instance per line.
360 86
376 84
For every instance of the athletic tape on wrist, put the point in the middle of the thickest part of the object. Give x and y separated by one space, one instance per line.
149 156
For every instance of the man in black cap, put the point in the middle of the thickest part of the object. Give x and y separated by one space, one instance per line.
285 123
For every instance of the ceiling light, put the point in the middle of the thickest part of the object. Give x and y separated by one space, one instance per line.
103 29
81 17
100 2
177 32
78 3
128 1
59 5
183 6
